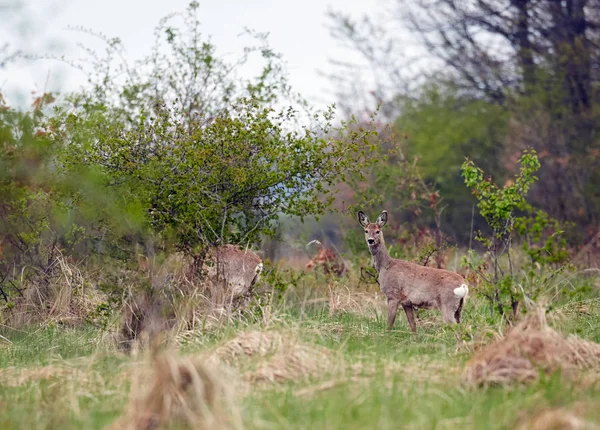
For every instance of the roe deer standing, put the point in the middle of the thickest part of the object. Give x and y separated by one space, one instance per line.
411 285
231 270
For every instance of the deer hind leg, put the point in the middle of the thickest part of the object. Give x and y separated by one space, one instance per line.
392 311
448 313
459 310
410 316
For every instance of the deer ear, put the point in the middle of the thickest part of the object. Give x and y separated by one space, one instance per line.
363 219
382 219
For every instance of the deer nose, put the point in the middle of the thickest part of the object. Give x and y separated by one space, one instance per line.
371 241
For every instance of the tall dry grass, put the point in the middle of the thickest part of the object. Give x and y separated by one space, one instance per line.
171 390
67 295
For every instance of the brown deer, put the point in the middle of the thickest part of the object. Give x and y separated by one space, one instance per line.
232 270
411 285
327 259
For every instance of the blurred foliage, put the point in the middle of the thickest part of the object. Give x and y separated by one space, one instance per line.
31 204
441 126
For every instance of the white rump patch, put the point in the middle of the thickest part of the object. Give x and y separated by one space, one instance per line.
461 291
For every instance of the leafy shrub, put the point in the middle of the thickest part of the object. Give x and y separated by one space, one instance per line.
198 159
227 181
540 235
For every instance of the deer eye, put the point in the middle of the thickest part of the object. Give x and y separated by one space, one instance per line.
377 232
366 231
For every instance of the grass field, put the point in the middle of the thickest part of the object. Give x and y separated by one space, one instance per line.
303 364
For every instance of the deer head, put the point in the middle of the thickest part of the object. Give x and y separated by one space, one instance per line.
373 234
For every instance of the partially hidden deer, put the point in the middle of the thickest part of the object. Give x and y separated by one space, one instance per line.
409 284
327 260
232 270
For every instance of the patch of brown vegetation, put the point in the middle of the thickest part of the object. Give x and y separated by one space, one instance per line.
280 357
250 343
557 418
146 315
295 362
156 307
66 297
178 391
16 377
528 348
183 293
342 301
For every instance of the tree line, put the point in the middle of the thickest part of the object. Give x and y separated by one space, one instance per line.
491 79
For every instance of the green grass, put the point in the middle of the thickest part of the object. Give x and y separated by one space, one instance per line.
405 382
80 387
40 346
394 402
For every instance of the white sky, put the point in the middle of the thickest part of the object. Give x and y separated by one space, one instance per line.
298 30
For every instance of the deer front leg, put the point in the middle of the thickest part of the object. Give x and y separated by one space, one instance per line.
392 310
410 316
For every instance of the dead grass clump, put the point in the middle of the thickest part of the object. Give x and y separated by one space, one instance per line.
278 357
178 391
295 362
154 303
16 377
557 419
530 347
253 343
183 293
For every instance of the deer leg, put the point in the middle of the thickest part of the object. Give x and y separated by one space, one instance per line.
392 311
410 316
448 314
458 311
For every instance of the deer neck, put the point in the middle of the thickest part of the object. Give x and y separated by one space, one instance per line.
380 254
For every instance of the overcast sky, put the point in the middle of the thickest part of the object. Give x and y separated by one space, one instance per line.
298 30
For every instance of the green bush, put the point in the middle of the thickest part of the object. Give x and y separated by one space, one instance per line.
510 217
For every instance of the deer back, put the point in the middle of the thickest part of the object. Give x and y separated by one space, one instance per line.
418 285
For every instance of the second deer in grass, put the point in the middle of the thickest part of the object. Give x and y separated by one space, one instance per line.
409 284
231 271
